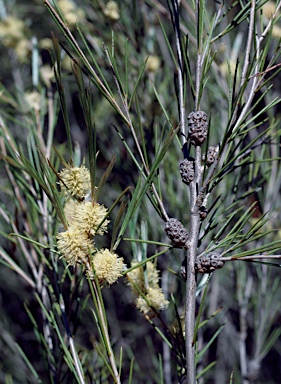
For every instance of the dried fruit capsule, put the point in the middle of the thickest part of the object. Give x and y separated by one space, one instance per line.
187 171
197 127
212 154
176 233
203 212
208 262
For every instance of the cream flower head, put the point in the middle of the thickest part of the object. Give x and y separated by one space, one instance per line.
70 210
71 12
149 287
112 11
76 181
108 266
12 30
153 63
89 215
268 9
33 100
74 245
137 276
155 299
47 75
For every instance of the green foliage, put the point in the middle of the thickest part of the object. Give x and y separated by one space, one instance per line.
110 86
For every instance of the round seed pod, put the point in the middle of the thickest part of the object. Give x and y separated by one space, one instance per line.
197 127
212 154
176 232
187 171
208 262
203 212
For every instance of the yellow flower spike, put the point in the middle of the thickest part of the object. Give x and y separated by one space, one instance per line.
137 276
152 275
142 305
76 181
108 266
154 295
74 245
155 298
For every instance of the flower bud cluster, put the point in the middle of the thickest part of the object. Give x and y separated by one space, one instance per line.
211 155
85 220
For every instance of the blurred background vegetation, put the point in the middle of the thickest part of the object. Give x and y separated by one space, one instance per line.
243 296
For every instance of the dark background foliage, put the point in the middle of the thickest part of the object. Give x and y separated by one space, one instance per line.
239 292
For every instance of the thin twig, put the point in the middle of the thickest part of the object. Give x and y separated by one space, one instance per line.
190 311
244 79
251 29
25 251
190 302
262 314
180 72
106 335
243 301
265 71
268 27
76 360
198 79
183 28
191 287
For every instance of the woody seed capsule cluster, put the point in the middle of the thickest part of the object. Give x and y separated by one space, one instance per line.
198 127
212 154
176 232
208 262
187 171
